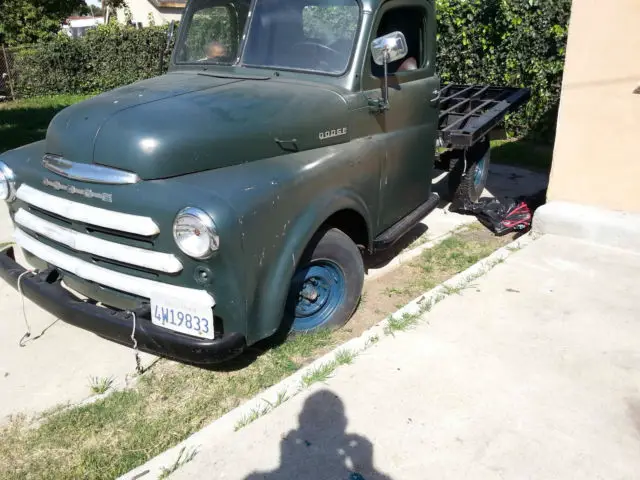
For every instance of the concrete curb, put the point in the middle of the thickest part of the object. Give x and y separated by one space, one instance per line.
291 386
594 224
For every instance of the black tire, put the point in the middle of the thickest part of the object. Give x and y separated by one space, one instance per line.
465 189
333 249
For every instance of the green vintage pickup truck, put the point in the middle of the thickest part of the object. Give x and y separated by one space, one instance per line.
235 196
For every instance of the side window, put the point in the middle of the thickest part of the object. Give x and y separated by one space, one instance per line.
412 22
212 36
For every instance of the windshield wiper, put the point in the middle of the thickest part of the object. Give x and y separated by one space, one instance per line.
228 75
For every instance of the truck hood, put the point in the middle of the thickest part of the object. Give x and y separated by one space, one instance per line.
184 123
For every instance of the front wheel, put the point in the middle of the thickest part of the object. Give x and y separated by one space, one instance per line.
327 285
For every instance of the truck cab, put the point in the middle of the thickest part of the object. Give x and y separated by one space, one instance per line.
204 210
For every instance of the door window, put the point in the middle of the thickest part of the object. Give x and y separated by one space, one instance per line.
412 22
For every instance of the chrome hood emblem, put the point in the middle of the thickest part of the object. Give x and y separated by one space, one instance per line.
85 192
87 172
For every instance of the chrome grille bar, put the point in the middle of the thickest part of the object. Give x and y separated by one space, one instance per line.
138 286
80 212
81 242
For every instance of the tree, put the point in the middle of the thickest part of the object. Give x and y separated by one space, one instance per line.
29 21
95 11
82 11
87 10
110 7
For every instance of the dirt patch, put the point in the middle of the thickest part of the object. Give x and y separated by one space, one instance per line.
384 295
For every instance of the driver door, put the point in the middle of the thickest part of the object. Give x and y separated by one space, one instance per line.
409 126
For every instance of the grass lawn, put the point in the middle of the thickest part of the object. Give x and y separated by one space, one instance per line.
26 121
115 434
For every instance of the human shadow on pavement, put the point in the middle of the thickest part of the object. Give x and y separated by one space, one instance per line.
321 449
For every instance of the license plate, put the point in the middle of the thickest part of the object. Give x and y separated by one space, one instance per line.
182 316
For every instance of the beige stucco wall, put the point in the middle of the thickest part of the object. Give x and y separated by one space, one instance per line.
140 10
597 152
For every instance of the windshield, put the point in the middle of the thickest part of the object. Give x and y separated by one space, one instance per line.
213 32
313 35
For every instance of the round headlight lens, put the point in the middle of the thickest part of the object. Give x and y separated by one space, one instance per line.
195 233
7 183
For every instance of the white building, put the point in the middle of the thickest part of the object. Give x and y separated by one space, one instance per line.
144 12
77 26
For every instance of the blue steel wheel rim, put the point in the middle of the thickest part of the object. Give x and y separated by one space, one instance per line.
478 173
319 289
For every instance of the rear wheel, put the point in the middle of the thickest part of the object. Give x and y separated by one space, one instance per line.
468 188
327 285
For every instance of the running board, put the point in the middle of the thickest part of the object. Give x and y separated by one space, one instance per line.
391 235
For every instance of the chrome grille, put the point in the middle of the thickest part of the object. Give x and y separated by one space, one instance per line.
67 211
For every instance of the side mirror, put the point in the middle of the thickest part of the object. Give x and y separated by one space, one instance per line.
387 49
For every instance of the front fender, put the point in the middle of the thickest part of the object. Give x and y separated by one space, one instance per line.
280 203
28 155
269 304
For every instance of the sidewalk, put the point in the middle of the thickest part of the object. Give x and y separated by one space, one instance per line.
532 372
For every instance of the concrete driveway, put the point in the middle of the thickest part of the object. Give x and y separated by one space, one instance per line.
57 365
529 373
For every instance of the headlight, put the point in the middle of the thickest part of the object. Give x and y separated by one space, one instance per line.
195 233
7 183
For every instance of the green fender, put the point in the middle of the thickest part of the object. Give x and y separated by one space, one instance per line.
268 306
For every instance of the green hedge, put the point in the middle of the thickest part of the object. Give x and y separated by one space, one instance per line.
518 43
106 57
500 42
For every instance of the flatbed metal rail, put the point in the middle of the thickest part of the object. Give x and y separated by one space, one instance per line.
469 112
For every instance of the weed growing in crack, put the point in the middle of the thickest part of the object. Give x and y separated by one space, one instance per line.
252 416
452 289
372 340
345 357
184 457
280 399
319 374
363 299
400 324
100 385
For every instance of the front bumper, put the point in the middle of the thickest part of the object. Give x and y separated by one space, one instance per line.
45 289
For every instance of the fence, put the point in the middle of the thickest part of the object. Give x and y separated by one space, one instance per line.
10 70
7 73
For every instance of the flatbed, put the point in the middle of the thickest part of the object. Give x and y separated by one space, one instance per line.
469 112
